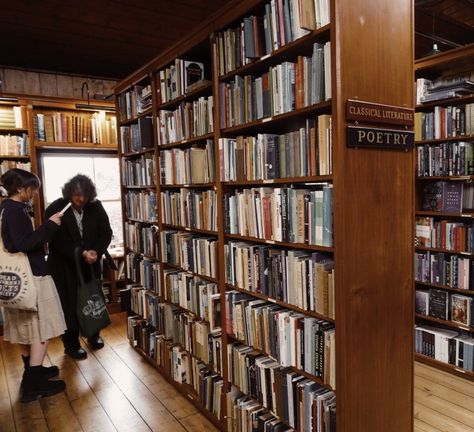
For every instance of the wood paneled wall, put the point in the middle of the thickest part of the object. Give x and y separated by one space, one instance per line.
20 81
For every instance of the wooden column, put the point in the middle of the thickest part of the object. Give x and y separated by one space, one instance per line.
373 222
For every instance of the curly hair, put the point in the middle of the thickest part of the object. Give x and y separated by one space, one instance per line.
80 184
16 178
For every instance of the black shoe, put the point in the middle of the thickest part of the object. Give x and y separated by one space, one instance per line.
96 342
48 371
36 385
77 353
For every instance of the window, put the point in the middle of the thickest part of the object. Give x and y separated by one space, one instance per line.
104 172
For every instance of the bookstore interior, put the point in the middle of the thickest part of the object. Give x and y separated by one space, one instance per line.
272 170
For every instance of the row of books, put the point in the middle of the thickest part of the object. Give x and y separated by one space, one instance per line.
96 128
304 152
190 208
446 346
135 101
189 120
275 392
193 294
284 88
444 234
445 122
141 238
296 277
14 145
445 159
448 196
291 338
190 252
143 271
185 166
11 117
141 205
175 80
139 171
178 364
443 305
444 269
137 136
444 87
282 22
6 165
281 214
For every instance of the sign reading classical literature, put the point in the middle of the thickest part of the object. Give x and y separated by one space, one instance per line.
357 136
369 112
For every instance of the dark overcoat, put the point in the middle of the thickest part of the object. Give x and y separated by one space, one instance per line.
96 235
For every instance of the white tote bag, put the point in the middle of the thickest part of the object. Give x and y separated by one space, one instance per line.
17 287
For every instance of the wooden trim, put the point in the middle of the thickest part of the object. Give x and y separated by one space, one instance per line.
278 243
449 251
445 367
286 180
443 140
442 59
461 100
188 229
72 145
138 153
447 178
446 322
466 214
207 88
15 157
445 287
183 270
186 142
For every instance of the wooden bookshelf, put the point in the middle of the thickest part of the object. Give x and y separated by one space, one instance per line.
453 62
373 193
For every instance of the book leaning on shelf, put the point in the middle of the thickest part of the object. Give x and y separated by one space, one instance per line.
11 117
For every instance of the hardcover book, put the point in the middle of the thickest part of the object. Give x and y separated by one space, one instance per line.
461 307
439 304
422 301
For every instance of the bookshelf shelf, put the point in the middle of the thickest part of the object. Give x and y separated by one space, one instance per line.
445 287
15 157
189 186
138 153
151 257
203 90
443 214
300 371
444 102
187 142
446 323
447 178
445 366
139 186
320 108
292 180
149 222
288 51
181 269
281 303
195 230
455 58
13 130
278 243
73 145
145 113
449 139
449 251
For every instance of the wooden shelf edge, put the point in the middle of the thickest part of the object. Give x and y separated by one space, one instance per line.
269 182
13 130
281 303
445 287
186 142
73 145
452 324
181 269
186 97
442 214
446 367
192 230
130 121
138 152
448 251
443 140
444 58
15 157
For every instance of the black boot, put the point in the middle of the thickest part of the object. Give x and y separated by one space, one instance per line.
36 385
48 371
72 346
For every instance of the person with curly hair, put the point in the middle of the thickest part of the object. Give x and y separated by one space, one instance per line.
85 225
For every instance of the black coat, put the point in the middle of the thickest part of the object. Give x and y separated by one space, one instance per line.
96 235
18 234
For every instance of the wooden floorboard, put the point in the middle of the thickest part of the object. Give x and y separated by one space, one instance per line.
115 389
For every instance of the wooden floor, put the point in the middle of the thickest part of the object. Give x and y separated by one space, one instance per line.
115 389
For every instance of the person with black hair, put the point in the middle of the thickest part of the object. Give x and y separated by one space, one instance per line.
85 225
31 330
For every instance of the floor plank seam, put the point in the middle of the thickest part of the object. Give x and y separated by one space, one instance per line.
8 386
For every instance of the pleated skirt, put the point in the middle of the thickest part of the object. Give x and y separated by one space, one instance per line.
27 327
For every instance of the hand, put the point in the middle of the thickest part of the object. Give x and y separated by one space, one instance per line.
90 256
56 218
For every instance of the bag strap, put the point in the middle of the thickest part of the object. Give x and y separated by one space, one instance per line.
78 267
2 245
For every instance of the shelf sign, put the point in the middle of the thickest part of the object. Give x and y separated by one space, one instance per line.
357 136
369 112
